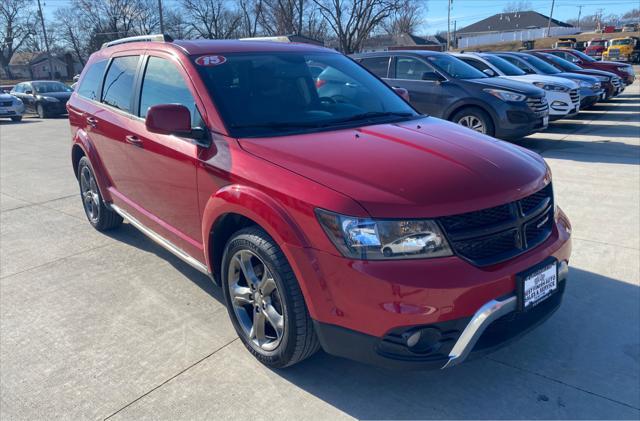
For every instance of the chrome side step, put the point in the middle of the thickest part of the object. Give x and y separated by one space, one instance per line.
178 252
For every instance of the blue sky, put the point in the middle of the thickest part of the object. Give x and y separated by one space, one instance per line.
465 12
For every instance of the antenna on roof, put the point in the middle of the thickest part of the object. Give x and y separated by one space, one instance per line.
139 38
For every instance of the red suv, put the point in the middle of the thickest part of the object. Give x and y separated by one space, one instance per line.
337 218
622 70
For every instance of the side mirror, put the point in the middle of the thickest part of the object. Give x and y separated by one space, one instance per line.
28 92
403 93
489 72
431 76
174 119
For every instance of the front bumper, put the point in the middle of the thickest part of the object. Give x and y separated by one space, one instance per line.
494 325
515 121
12 111
588 97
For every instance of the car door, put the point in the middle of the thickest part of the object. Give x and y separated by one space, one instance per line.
427 96
163 181
27 96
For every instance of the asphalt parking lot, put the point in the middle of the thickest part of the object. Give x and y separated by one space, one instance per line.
112 326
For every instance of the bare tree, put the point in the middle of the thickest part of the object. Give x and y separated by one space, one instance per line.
251 12
353 21
281 17
211 19
174 24
72 33
406 18
16 27
517 6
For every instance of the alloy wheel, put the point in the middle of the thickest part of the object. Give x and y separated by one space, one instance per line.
473 122
90 196
256 301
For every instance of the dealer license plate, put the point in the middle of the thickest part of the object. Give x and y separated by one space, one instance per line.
537 284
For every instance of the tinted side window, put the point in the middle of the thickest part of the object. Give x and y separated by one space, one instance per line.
376 65
163 84
475 63
89 88
410 68
118 84
519 63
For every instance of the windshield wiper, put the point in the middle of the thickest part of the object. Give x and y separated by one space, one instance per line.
274 125
372 114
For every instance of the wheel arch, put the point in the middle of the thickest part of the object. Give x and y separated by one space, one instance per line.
83 146
471 104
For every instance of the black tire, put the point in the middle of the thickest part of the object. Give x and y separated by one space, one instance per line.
299 340
41 111
387 252
479 114
103 218
16 118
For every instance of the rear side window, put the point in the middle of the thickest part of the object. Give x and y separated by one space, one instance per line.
118 84
411 68
90 85
475 63
163 84
376 65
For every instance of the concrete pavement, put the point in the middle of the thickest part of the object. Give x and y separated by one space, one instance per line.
96 326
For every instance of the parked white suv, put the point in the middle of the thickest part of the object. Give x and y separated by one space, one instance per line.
11 107
557 89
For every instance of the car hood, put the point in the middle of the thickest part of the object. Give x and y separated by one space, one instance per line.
6 97
512 85
613 63
596 72
545 79
578 76
62 96
421 168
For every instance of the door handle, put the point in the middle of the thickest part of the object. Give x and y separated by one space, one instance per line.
134 140
92 122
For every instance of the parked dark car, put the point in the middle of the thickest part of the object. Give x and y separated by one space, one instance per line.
47 98
611 83
590 88
443 86
623 70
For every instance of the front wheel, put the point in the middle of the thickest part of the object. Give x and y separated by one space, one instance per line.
41 112
475 119
264 300
16 118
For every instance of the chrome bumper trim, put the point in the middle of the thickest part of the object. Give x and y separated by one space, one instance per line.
178 252
486 315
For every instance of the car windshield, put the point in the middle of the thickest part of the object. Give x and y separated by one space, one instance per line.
621 42
582 55
562 63
599 43
276 94
540 65
50 87
504 66
454 67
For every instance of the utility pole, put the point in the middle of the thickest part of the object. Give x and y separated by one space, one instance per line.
455 40
161 21
579 14
46 41
449 25
553 3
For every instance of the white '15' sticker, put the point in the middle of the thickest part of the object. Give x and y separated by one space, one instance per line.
210 60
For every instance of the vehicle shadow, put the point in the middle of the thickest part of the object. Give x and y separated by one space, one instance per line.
130 235
594 129
535 377
603 150
11 122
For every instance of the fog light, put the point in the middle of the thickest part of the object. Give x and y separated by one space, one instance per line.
424 341
559 104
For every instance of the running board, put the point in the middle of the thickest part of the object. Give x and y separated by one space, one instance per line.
168 245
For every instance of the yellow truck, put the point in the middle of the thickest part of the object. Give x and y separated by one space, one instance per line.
623 49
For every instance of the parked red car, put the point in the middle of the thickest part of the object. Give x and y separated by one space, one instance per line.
624 71
345 221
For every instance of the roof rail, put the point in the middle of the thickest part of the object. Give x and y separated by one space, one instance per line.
139 38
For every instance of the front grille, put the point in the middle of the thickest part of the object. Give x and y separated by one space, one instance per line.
538 105
614 52
6 103
575 96
616 82
493 235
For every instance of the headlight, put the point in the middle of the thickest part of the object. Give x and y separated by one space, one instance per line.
627 69
506 95
551 87
376 239
50 99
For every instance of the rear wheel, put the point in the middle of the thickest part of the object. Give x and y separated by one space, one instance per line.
264 300
475 119
99 215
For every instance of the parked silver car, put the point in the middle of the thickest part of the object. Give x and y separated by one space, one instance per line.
11 107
